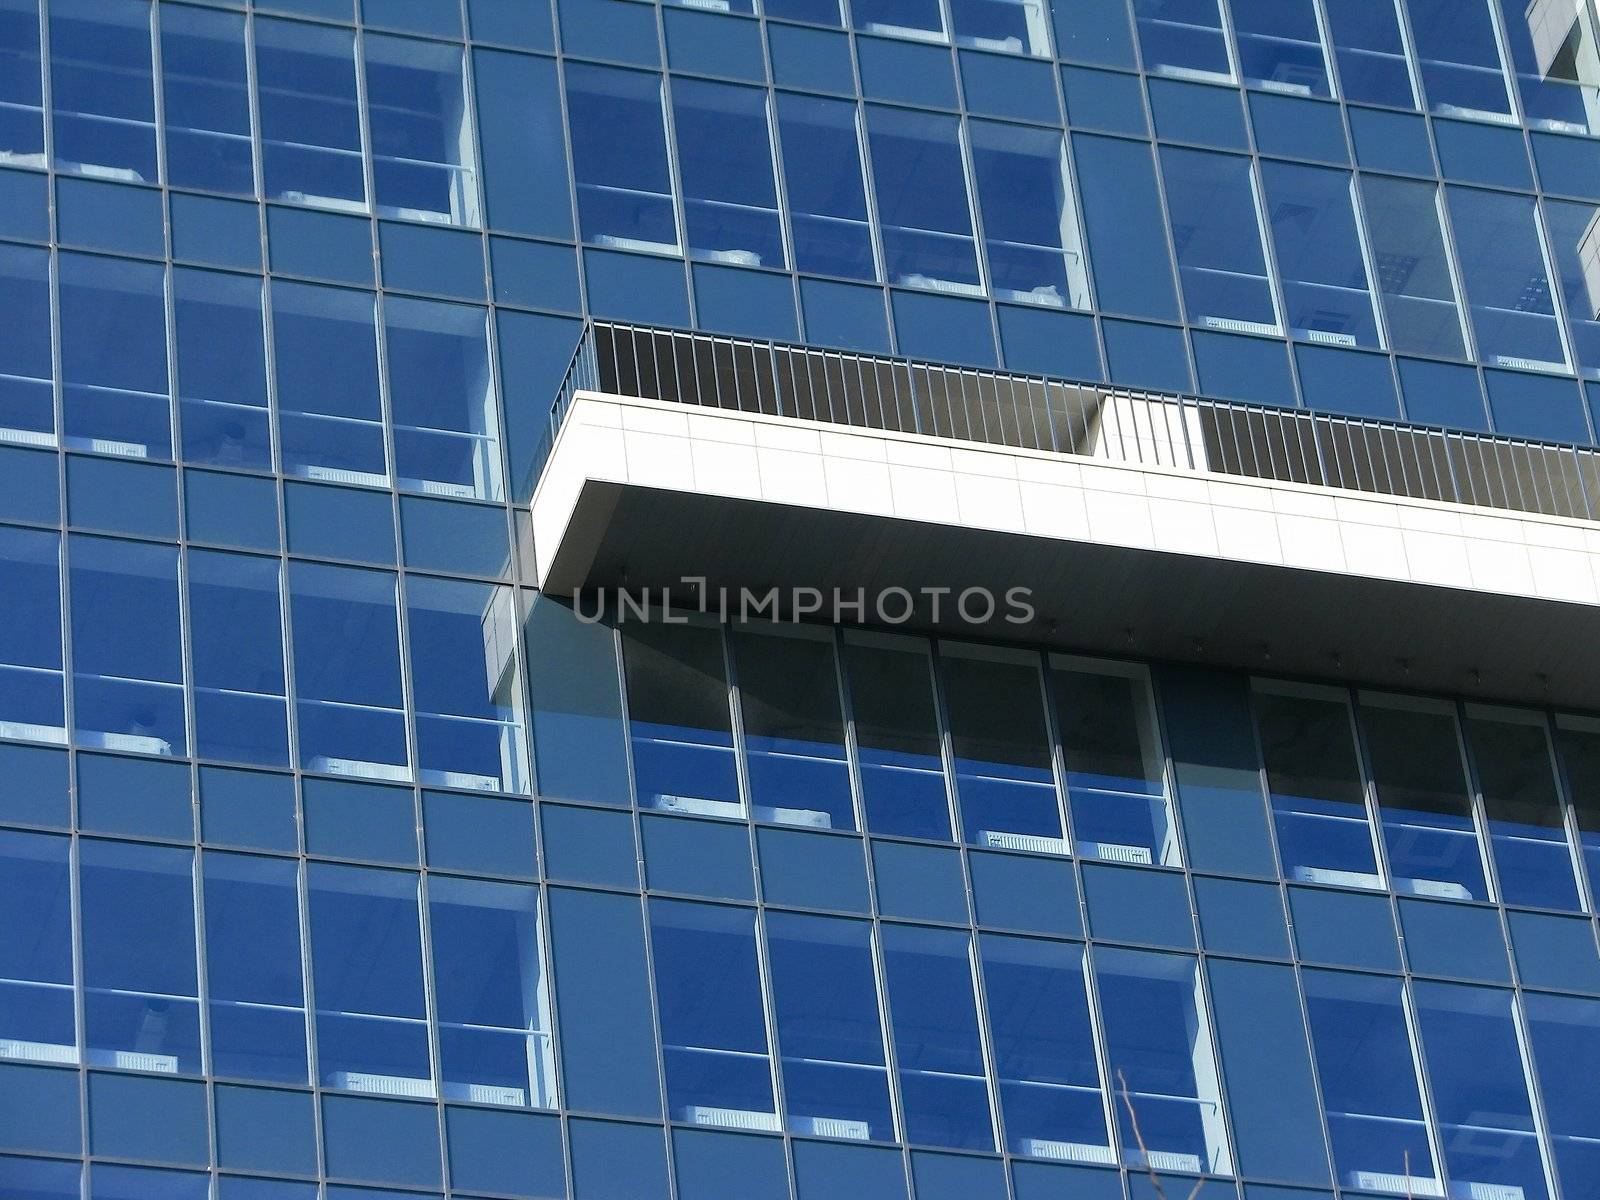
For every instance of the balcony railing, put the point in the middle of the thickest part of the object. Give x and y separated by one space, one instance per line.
1090 420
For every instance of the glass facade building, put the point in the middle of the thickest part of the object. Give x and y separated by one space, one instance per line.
339 862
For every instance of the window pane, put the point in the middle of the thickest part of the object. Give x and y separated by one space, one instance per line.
1320 264
1183 39
1002 755
102 88
1507 283
1030 216
1280 47
713 1025
27 404
141 1007
310 121
348 707
1557 66
1370 52
21 92
127 656
1419 296
466 685
205 101
1423 802
1459 59
222 370
730 201
822 171
619 159
423 165
257 1003
1048 1075
1161 1060
922 201
36 1016
372 1033
1480 1089
492 992
678 719
1569 226
1217 236
32 685
938 1055
922 20
330 419
1318 800
1115 783
1511 752
830 1041
441 394
793 730
1018 26
236 646
897 735
114 357
1564 1037
1578 739
1369 1084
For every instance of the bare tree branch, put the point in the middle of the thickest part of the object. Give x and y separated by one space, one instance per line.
1144 1151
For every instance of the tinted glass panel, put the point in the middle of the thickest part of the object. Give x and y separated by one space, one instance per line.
619 159
897 735
422 158
221 369
32 699
1507 283
1564 1036
1419 295
1569 228
310 120
102 88
26 402
922 20
205 101
678 719
1326 288
1018 26
730 201
1183 39
1579 741
1370 52
236 645
1030 216
1280 46
1217 236
114 357
921 187
1459 58
36 1012
822 172
1555 64
330 417
21 93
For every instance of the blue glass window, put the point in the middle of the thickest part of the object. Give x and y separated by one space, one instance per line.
114 357
713 1024
240 710
1573 230
1368 1074
897 735
1047 1072
793 729
466 685
21 91
310 118
1564 1037
619 159
1031 232
827 201
1370 52
730 199
102 88
1216 232
221 369
1116 788
1183 39
1511 751
1424 806
205 101
1459 58
830 1040
1326 288
32 684
492 993
921 188
1578 739
330 416
944 1095
1002 754
1480 1089
41 1178
921 20
366 944
107 1182
1017 26
1557 68
678 719
256 989
1161 1062
140 1007
36 1015
1419 294
127 655
26 401
1318 798
423 165
441 393
349 707
1280 47
1506 279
